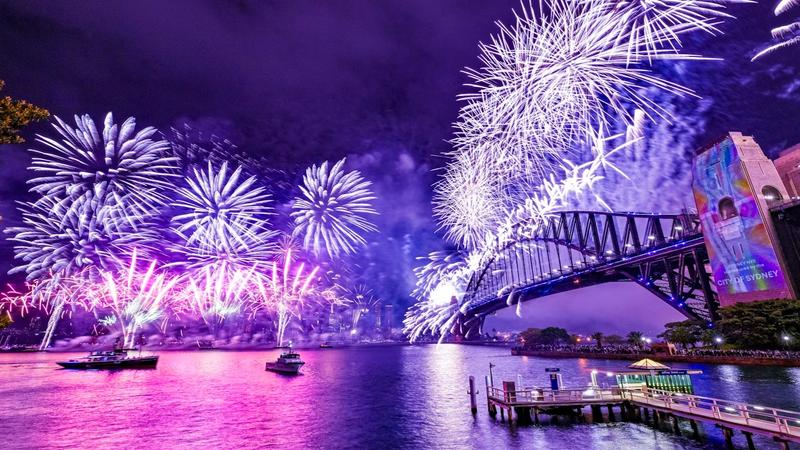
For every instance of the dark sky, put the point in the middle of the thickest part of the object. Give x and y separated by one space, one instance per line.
303 81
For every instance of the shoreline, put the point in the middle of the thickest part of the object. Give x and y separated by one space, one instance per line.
663 357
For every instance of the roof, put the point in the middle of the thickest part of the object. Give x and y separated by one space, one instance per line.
648 364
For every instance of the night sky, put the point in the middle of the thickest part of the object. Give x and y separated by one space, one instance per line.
300 82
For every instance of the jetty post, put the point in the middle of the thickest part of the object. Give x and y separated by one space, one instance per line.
473 401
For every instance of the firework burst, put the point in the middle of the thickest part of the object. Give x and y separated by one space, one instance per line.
218 212
119 168
333 210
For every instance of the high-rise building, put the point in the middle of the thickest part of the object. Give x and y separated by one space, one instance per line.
388 317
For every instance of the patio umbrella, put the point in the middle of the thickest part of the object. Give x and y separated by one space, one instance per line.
648 364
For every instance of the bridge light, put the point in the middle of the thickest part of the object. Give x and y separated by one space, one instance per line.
609 252
679 228
651 237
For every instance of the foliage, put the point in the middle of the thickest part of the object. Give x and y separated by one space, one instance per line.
635 338
761 325
16 114
548 336
598 338
5 321
685 333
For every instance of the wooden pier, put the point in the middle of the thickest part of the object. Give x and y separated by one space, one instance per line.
640 404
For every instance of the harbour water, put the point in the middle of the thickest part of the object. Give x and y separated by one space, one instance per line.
405 397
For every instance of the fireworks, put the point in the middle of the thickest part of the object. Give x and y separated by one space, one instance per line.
548 88
283 291
333 210
68 244
360 299
218 213
120 168
135 297
657 25
217 292
786 35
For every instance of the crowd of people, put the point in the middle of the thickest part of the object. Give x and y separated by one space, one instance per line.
626 349
767 354
605 349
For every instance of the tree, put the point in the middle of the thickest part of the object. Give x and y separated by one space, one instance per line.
635 338
760 325
686 332
598 337
554 336
16 114
530 337
4 320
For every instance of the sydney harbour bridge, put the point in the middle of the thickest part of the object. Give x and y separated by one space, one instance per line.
664 254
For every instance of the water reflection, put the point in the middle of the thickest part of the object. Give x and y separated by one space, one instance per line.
380 397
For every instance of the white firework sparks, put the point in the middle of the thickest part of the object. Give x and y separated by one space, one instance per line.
466 203
333 210
785 35
120 168
217 212
49 244
656 25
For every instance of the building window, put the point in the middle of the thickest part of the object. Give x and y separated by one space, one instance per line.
727 209
771 195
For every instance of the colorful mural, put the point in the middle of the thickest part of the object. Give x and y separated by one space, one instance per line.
744 263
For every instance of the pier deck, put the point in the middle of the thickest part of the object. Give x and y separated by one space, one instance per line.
780 424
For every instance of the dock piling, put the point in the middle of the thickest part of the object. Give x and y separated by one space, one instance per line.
473 400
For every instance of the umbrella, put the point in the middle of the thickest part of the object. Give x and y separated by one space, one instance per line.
648 364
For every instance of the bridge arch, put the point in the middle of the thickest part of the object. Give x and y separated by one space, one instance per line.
665 254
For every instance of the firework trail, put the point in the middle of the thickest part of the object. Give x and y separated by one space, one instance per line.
283 291
785 35
134 297
333 210
217 292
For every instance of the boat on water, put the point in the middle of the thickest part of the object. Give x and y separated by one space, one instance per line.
116 359
326 345
288 363
205 344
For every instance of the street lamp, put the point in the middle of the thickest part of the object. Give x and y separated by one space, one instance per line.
718 340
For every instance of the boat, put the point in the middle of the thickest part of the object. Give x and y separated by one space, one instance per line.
326 345
205 344
288 363
116 359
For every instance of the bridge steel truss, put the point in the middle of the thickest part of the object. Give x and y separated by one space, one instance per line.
665 254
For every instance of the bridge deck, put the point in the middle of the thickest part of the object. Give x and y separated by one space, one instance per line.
755 419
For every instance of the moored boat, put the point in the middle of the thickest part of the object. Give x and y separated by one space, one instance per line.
288 363
117 359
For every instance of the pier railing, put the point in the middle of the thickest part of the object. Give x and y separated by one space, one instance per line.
776 420
548 396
